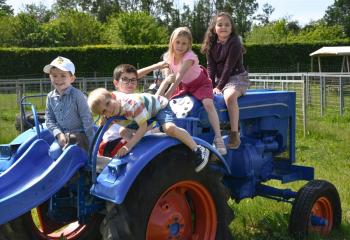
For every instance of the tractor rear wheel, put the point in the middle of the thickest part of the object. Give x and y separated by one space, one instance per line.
316 209
169 200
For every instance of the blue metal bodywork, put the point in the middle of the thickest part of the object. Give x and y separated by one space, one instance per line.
35 177
267 126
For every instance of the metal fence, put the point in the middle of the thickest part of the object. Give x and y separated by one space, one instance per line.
316 93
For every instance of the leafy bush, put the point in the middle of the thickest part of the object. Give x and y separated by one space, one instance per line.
135 28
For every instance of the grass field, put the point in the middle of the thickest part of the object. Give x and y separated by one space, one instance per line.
325 147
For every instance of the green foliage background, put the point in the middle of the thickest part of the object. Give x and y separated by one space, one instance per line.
102 59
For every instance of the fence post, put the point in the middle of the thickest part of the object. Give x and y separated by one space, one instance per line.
321 95
84 85
341 96
308 89
304 104
41 91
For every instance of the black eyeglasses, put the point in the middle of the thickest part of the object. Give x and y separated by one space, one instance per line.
126 80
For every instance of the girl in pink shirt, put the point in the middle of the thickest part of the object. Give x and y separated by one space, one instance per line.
191 78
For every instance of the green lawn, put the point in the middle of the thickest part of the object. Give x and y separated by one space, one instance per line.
325 147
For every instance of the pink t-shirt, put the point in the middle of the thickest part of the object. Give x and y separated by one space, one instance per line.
193 72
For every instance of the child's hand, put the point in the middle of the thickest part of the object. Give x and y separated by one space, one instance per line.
61 139
122 151
162 64
217 91
170 79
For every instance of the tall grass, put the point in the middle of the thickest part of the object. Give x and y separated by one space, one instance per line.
325 147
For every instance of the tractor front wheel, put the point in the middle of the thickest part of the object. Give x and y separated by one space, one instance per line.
316 209
36 224
169 200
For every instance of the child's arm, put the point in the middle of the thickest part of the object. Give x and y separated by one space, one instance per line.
85 116
146 70
140 132
165 84
185 66
51 124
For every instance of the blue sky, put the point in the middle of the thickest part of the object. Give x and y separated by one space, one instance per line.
301 10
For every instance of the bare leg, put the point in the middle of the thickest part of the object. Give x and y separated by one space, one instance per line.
231 95
214 121
165 84
172 130
209 107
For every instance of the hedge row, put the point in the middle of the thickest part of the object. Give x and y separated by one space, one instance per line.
101 60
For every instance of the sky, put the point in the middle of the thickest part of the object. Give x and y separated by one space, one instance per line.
301 10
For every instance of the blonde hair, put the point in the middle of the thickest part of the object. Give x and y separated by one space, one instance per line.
178 32
96 98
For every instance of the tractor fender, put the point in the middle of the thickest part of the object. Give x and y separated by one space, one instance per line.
115 180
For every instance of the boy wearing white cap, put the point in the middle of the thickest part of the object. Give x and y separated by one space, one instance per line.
67 114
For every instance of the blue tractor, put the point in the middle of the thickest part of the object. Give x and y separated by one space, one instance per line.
153 193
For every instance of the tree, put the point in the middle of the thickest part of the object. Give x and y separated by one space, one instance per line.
27 31
102 9
73 28
201 15
339 13
6 29
242 11
264 18
5 9
318 32
135 28
165 12
39 12
284 31
274 32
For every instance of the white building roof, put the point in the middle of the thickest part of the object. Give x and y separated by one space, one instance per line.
332 51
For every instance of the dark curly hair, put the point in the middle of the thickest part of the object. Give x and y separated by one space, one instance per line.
210 36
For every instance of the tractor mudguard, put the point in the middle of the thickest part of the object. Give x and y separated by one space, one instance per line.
114 182
35 177
9 153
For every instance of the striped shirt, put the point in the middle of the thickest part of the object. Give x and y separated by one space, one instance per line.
140 107
69 112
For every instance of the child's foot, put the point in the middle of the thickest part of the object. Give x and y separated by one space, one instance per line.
234 140
220 145
200 161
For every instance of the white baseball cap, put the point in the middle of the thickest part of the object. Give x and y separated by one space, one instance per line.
61 63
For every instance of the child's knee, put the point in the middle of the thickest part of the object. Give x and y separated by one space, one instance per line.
169 128
208 104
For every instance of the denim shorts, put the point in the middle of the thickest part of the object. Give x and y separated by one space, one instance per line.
165 115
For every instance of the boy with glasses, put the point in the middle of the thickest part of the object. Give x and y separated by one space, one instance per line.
112 141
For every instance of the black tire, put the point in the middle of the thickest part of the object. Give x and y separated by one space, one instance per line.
175 166
316 197
28 122
24 228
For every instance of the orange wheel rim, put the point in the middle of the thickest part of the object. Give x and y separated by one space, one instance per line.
322 208
185 210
